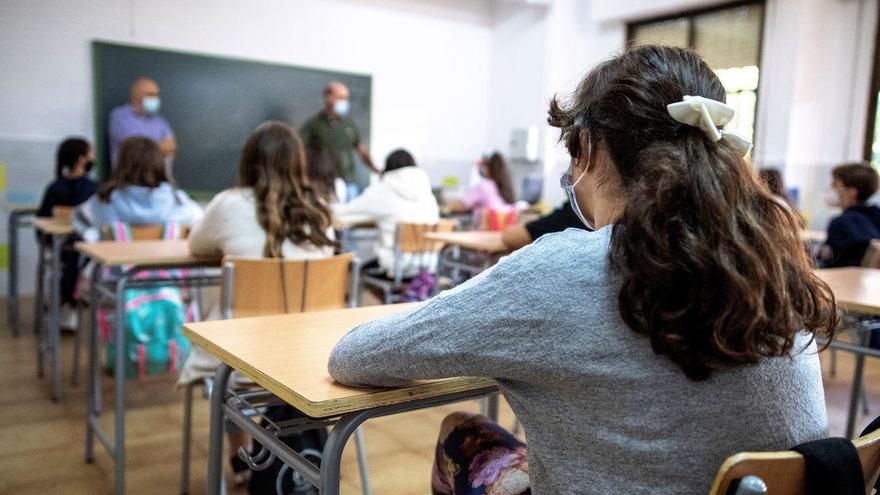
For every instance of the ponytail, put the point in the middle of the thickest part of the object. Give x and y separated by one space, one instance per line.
713 269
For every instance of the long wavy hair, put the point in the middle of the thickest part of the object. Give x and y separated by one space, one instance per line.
713 269
496 169
273 163
139 163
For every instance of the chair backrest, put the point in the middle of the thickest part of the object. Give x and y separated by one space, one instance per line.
784 472
267 286
411 236
146 232
872 255
63 213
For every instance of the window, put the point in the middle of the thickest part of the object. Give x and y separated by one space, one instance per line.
729 40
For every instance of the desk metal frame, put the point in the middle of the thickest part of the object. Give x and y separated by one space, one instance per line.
49 333
18 218
450 257
226 404
114 290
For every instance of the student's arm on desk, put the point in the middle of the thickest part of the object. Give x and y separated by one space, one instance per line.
476 329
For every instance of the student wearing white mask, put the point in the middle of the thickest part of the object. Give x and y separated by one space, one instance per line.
333 131
849 233
140 117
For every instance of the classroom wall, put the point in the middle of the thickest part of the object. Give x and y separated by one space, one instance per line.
429 61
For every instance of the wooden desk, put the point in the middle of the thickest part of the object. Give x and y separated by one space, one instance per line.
813 236
856 289
489 242
52 226
134 258
48 336
143 253
19 216
288 356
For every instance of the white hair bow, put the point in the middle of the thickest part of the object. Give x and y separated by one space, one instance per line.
709 115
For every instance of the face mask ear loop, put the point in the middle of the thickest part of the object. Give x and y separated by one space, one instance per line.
589 158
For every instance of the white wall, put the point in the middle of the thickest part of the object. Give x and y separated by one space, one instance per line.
430 62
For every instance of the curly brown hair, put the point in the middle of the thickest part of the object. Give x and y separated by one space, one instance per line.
289 207
713 269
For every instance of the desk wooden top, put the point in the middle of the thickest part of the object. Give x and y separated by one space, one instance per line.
476 240
813 236
856 289
24 209
52 226
287 355
158 252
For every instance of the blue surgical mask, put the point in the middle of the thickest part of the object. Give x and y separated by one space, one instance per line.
151 104
568 186
341 107
567 183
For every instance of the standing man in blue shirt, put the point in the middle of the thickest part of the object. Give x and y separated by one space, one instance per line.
140 117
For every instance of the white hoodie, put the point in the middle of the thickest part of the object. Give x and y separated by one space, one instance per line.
400 196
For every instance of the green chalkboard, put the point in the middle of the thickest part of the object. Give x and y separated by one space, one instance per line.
213 103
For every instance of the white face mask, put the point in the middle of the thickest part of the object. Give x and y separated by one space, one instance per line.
341 107
832 199
151 104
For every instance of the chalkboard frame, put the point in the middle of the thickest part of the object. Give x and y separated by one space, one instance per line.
362 105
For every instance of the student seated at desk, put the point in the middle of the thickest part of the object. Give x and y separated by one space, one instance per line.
850 233
402 195
70 188
274 212
517 236
494 190
641 355
139 191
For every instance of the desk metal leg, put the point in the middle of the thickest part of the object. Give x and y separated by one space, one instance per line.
93 378
54 330
855 394
38 310
119 371
331 459
215 438
12 300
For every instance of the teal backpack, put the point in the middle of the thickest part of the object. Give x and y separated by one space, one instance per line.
154 341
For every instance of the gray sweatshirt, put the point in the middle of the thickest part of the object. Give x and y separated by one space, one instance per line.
602 413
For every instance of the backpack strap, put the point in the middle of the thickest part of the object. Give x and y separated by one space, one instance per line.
832 466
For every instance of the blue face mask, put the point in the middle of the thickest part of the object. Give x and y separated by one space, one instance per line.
151 104
568 186
341 107
567 183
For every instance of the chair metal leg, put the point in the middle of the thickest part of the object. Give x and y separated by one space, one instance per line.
362 462
187 437
77 341
38 311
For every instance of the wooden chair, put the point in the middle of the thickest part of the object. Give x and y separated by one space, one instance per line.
784 472
145 232
409 240
270 286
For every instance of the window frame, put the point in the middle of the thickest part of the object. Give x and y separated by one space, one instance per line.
873 98
691 15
